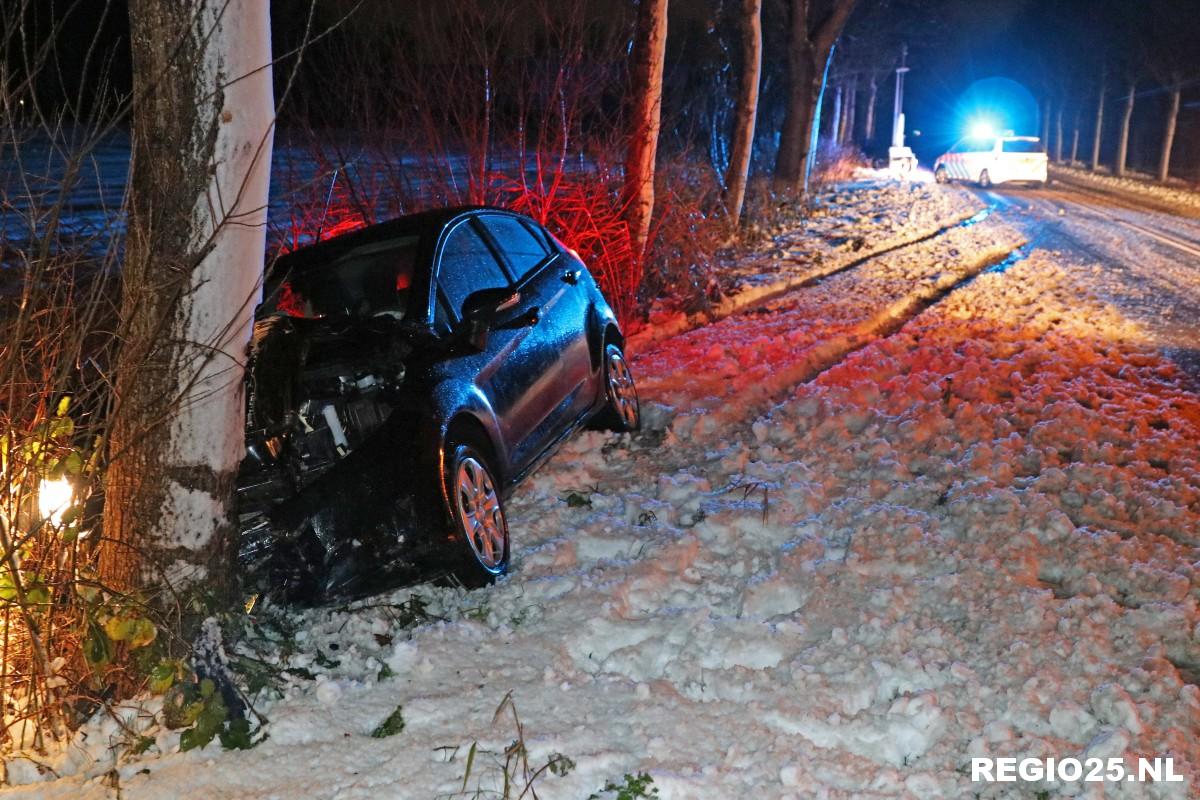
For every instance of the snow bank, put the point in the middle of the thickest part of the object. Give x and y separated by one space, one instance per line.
1175 193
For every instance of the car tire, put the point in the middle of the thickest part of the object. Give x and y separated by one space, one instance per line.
941 176
985 180
477 515
622 411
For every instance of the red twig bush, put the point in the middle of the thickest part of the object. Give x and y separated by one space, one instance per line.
584 211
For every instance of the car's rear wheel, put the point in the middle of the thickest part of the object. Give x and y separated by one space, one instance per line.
477 513
622 411
941 176
985 180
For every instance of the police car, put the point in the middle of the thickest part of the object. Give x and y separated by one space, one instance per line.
988 160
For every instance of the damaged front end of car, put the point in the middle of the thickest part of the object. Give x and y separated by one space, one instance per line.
335 498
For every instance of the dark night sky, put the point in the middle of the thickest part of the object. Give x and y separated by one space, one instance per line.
953 44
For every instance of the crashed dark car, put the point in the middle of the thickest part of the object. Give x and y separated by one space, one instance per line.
402 380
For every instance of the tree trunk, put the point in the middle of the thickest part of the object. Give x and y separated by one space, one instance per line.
850 112
1075 136
793 137
1123 140
1099 129
869 126
202 132
1046 113
808 57
1058 135
1164 161
747 110
835 125
649 46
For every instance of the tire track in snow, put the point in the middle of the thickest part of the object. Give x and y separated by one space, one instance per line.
754 295
750 361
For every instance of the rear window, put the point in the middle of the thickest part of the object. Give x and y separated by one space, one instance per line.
1022 146
369 280
523 250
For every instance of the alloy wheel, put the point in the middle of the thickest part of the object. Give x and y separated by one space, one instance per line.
622 393
479 513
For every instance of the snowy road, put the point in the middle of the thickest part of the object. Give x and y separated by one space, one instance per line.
1145 260
938 504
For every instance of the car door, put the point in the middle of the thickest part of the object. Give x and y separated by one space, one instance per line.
513 371
561 335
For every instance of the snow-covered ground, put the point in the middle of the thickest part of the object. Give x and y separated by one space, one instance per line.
1143 261
846 224
1176 193
976 535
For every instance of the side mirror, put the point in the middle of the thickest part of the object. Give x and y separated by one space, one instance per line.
480 311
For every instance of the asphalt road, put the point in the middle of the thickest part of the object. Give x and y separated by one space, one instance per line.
1145 260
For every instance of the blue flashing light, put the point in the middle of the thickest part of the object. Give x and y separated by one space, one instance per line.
981 129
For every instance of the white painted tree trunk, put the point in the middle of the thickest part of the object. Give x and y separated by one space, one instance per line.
747 110
1123 139
649 49
203 130
1099 129
1164 160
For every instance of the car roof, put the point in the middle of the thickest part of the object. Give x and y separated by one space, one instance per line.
326 250
1020 138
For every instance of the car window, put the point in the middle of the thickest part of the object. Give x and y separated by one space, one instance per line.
541 234
1022 146
467 266
523 250
369 280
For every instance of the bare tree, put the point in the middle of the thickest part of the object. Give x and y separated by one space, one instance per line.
872 98
836 124
649 48
849 111
1164 159
202 121
813 31
1058 133
747 110
1098 129
1170 29
1075 135
1123 137
1046 115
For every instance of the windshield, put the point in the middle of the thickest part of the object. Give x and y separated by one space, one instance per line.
371 280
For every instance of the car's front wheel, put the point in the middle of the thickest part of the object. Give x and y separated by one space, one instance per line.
622 411
941 176
985 180
477 515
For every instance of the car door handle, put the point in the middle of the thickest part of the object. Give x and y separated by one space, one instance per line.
526 319
571 276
